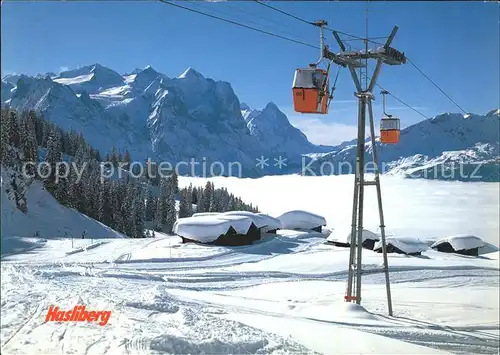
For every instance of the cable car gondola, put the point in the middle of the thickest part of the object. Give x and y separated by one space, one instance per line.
389 126
311 92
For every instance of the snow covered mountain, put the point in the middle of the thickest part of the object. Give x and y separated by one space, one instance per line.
194 117
275 133
91 78
448 146
6 90
152 115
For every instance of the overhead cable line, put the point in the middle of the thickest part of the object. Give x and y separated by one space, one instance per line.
397 98
283 12
240 24
436 85
282 28
402 102
311 23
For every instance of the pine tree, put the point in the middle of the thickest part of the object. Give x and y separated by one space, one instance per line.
60 190
194 194
170 212
139 214
91 191
184 203
127 159
208 197
13 129
29 144
175 182
45 133
200 200
189 198
161 207
16 191
113 157
150 205
38 127
6 156
52 157
104 210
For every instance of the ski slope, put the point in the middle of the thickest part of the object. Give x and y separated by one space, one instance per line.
283 294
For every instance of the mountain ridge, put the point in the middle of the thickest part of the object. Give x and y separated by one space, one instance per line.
193 117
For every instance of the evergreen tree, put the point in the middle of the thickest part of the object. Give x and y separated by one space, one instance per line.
113 157
45 133
104 208
6 155
200 200
16 190
13 129
150 205
170 212
29 144
52 157
139 214
161 207
127 159
189 197
208 197
175 182
184 203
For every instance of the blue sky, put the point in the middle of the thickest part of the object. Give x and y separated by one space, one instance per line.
455 43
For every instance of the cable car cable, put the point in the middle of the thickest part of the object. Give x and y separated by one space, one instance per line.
284 13
436 85
404 103
281 27
239 24
312 23
397 98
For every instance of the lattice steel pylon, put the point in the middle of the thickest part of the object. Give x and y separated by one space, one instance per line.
353 60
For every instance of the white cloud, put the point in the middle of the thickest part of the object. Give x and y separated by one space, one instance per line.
63 68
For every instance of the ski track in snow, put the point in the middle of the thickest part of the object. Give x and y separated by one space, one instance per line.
199 299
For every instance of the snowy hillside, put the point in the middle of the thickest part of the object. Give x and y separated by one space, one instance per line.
44 215
435 148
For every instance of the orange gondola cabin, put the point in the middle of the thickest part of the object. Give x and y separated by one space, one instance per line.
310 91
389 130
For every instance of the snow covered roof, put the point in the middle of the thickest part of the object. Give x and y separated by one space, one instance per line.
272 223
204 229
461 242
203 214
241 224
301 220
259 221
346 238
405 244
